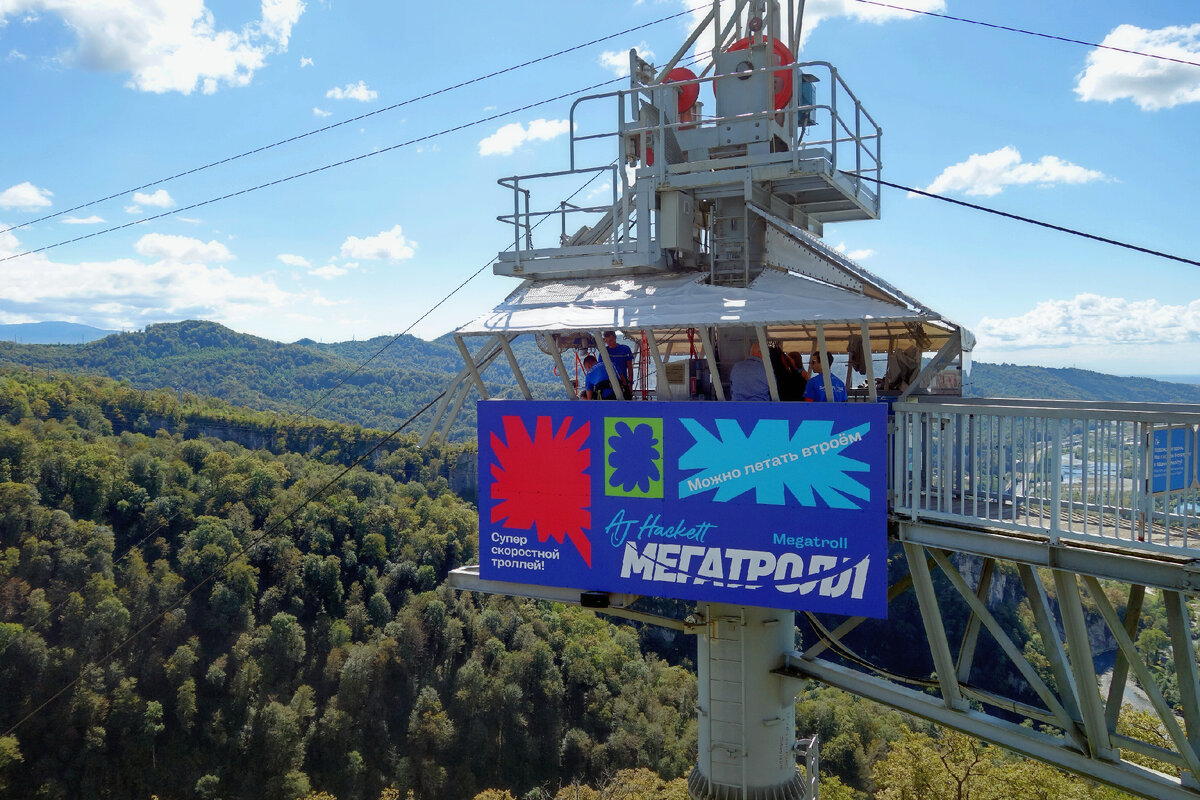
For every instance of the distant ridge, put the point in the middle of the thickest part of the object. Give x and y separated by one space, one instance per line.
1193 380
209 359
1054 383
51 333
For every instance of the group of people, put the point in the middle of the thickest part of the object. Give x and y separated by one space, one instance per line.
596 383
748 378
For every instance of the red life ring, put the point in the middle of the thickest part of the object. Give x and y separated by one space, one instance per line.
783 77
687 94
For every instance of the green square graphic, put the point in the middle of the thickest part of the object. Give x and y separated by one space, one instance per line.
633 457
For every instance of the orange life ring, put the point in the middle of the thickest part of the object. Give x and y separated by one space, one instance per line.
688 93
783 57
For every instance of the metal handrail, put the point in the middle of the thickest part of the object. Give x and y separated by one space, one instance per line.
860 132
1067 470
810 750
523 220
794 111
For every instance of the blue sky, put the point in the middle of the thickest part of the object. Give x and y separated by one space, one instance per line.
100 98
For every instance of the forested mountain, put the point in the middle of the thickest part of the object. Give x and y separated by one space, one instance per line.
214 361
1012 380
219 636
401 377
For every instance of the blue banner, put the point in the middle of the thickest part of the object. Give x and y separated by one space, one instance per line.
779 505
1173 460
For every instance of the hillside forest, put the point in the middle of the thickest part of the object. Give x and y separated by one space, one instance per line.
378 383
255 616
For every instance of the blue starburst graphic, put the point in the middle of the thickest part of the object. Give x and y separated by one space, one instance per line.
633 457
808 463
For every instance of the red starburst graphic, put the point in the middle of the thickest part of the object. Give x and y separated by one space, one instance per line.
542 483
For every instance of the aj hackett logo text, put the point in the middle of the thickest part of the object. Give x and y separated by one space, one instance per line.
622 527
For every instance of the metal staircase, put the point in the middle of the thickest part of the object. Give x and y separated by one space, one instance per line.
730 248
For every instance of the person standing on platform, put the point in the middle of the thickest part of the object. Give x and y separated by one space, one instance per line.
814 390
622 360
748 378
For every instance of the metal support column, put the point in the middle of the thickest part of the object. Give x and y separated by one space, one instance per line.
1186 673
935 631
1083 665
516 368
746 731
711 358
660 369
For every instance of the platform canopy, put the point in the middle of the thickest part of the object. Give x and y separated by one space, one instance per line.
790 305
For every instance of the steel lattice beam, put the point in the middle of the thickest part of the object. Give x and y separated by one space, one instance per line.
1076 725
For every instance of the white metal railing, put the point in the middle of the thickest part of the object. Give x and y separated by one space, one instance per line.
1108 471
840 124
810 751
837 133
524 220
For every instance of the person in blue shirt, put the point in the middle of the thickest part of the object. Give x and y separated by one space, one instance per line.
748 379
814 390
621 357
596 385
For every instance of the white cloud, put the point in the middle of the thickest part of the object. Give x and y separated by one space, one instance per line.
353 91
617 61
816 11
293 261
168 45
305 61
855 255
328 272
1151 83
604 190
1089 319
320 112
324 302
159 199
188 220
987 174
389 245
15 55
131 292
25 197
508 138
92 220
8 243
181 249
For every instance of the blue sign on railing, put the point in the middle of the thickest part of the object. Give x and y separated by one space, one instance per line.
1173 460
780 505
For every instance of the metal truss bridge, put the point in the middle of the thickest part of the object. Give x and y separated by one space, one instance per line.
1061 494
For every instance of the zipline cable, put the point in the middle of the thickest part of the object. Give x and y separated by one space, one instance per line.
433 308
1051 36
321 399
315 170
1029 220
360 117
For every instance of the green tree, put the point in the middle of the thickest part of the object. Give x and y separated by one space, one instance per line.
10 757
430 732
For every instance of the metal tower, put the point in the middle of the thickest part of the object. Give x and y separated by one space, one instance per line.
710 248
